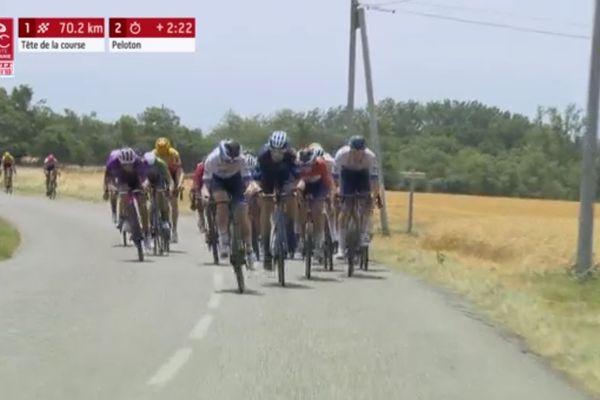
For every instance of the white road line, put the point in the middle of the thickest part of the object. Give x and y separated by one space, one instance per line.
214 301
201 327
169 369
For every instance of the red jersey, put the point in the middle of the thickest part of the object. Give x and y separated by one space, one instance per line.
198 174
318 171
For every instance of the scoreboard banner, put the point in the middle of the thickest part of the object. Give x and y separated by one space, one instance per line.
152 35
61 35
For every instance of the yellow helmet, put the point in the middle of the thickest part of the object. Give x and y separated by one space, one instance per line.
162 145
315 146
6 154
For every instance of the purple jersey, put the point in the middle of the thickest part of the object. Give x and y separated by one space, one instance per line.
113 156
133 177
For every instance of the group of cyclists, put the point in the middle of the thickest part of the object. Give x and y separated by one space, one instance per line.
9 169
240 184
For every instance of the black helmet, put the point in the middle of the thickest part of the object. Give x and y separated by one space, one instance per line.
230 149
357 142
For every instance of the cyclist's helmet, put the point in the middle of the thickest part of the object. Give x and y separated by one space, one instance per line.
250 160
150 158
51 157
6 154
307 157
229 150
357 142
278 140
162 145
127 156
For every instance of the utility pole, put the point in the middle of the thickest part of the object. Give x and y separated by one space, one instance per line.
358 21
587 195
352 63
373 116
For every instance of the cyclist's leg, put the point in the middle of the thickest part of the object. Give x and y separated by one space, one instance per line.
221 196
236 191
200 208
266 210
122 195
163 206
363 186
144 214
175 209
348 187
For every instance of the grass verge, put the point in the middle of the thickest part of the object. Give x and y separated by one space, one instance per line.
9 239
558 317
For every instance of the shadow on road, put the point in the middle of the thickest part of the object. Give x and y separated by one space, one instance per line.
247 292
288 285
178 251
358 275
378 270
136 261
320 279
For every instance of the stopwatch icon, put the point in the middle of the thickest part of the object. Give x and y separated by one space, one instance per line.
135 28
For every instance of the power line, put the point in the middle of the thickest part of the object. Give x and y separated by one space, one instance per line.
479 22
478 10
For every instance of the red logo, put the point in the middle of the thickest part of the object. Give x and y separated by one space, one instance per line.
6 39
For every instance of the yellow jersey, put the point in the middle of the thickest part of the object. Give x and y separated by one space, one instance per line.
171 158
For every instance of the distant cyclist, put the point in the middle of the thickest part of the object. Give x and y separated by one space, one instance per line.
163 149
227 178
130 171
111 183
50 171
316 182
159 179
196 201
9 169
332 210
356 170
276 170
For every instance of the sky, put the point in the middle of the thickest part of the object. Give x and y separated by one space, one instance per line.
259 56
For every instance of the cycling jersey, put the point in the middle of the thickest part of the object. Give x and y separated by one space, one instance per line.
7 162
330 161
158 174
171 158
130 178
198 180
317 172
355 170
273 174
50 165
215 166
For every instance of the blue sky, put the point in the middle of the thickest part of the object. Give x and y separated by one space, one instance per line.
263 55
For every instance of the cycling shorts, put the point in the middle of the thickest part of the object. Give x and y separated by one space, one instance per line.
234 186
353 182
317 190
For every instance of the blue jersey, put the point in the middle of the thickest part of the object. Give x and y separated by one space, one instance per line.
275 173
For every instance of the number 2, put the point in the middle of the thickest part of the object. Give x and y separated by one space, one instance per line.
118 28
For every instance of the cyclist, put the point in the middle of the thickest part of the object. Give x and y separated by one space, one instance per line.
332 211
8 167
253 203
163 149
196 202
130 171
110 182
50 171
228 179
276 169
159 178
356 170
316 181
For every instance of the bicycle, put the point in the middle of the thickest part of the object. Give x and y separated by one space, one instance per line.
8 181
161 231
132 223
212 236
279 233
237 256
328 245
254 211
51 185
355 253
309 231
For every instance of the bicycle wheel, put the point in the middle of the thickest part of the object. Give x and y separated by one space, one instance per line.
255 240
238 259
351 244
308 249
136 232
365 258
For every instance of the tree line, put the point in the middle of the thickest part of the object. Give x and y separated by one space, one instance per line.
464 147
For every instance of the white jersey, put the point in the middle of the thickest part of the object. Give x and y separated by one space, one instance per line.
215 166
345 159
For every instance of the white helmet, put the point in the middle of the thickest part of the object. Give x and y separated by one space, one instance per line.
250 161
127 156
150 158
278 140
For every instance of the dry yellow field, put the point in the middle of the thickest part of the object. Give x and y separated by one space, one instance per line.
510 257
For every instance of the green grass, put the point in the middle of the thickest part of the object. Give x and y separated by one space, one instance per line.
9 239
557 316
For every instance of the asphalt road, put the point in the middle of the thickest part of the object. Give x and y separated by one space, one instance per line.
80 319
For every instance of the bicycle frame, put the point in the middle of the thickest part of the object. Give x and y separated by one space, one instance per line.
133 218
278 239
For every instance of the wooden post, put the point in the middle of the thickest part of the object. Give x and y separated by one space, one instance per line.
412 176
